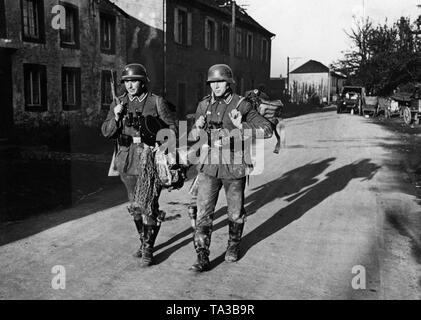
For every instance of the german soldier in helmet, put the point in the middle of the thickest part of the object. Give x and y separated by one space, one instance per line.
223 109
134 120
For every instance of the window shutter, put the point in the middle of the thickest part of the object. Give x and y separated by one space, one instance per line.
189 29
176 34
207 38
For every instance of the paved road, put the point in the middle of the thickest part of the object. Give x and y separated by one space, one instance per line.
335 201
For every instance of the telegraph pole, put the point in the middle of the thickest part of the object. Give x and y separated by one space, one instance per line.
288 75
232 42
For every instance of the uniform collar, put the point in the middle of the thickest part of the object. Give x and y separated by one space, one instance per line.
227 98
138 98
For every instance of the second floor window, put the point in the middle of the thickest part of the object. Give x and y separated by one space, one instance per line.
238 43
33 20
107 33
71 86
182 26
210 34
264 53
35 83
70 35
249 46
225 39
106 94
3 32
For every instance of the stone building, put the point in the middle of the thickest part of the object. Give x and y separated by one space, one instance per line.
54 64
178 40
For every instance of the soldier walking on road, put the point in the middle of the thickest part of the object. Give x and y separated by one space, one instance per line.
222 110
129 124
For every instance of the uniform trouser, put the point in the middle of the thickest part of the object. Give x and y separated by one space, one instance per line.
130 184
207 198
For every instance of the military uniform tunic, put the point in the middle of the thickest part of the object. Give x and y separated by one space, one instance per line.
129 157
231 176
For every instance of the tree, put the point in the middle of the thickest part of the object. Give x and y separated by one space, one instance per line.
383 57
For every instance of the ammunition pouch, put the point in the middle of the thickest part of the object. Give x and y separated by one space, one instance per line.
124 140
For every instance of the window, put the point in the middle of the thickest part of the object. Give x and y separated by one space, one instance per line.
210 34
106 94
69 37
249 46
238 43
33 20
70 83
182 26
264 51
35 83
181 95
107 31
200 86
225 39
3 32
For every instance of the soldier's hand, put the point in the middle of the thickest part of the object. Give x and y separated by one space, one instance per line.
117 111
200 123
236 118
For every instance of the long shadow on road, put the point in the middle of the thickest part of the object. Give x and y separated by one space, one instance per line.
290 183
305 200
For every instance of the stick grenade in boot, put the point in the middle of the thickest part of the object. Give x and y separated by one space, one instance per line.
194 187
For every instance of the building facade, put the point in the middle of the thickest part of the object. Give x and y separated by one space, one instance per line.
178 40
56 57
314 80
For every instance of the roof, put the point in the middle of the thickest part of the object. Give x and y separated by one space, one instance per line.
112 5
338 74
311 66
241 14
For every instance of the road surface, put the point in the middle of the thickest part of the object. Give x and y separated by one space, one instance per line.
333 216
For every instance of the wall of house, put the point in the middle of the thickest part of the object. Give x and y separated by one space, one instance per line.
89 57
303 85
189 64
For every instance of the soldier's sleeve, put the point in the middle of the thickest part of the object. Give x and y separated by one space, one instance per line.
254 121
201 108
200 111
110 127
165 113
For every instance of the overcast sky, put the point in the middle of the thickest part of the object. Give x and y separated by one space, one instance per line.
314 29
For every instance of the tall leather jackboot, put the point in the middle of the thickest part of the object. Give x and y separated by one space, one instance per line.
201 243
149 237
139 227
233 249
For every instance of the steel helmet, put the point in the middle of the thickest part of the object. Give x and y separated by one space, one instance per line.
220 72
134 71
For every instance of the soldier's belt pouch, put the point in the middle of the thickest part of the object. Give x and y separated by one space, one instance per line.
125 140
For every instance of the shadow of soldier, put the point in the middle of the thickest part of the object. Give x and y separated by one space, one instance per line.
289 183
304 201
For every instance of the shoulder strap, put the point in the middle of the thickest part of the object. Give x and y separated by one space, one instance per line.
239 102
208 106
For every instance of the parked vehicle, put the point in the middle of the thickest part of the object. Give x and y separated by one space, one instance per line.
411 109
389 106
370 106
352 99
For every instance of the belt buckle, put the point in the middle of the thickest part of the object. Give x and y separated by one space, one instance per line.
137 140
